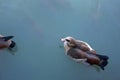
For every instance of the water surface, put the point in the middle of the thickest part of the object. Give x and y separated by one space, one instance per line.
38 26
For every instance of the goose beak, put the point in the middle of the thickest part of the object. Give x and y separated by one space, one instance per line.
63 40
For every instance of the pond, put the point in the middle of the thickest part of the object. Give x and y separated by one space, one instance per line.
38 26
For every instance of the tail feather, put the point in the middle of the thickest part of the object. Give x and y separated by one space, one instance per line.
103 61
13 44
102 57
6 38
103 64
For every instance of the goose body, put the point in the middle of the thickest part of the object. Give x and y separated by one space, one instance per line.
82 52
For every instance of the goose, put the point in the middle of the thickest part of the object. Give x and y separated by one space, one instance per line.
81 51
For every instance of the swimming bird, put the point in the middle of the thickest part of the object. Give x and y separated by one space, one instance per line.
81 51
6 42
81 45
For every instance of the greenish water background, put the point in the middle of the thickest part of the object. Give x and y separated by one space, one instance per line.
38 26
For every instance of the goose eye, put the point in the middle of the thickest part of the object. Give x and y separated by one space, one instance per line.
67 40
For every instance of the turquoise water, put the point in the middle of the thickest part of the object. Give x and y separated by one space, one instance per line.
38 26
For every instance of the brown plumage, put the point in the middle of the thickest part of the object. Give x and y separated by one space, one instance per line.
80 50
79 54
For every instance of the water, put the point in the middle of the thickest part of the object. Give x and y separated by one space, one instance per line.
38 26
